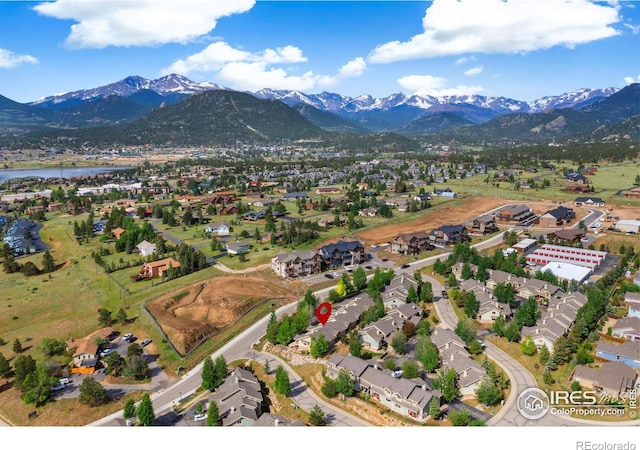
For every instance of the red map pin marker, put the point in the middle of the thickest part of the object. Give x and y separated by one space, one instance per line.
323 311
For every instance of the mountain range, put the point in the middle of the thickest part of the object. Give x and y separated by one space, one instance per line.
468 117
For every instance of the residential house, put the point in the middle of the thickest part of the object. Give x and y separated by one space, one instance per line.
422 197
328 190
342 253
145 248
395 293
344 316
411 243
239 399
589 201
575 177
218 228
497 277
458 267
408 397
556 217
611 379
117 232
567 234
481 225
369 212
228 210
293 196
627 352
298 263
330 221
470 372
85 350
448 235
627 328
514 213
156 268
237 248
276 420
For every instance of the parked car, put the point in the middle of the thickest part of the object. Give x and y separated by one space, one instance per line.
404 266
127 337
145 342
197 417
368 267
328 275
64 381
57 387
106 352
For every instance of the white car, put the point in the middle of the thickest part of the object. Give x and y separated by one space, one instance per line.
127 336
64 381
106 352
197 417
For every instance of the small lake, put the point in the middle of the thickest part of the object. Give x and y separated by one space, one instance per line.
60 172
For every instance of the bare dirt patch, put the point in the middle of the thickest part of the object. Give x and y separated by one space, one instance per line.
433 218
203 309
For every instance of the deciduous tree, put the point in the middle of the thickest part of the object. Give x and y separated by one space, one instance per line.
92 393
144 411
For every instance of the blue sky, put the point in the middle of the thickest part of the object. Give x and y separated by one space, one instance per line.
522 49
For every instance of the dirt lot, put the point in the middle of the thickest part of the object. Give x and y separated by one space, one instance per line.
201 310
445 214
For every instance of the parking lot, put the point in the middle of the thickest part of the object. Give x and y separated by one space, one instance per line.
71 389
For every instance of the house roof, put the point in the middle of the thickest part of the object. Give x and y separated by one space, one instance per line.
628 349
613 375
342 246
276 420
146 247
631 323
163 262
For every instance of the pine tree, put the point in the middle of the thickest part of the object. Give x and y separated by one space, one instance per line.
283 385
48 264
272 329
5 368
213 414
434 408
208 375
316 416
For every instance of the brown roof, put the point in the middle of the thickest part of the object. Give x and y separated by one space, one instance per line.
164 262
88 343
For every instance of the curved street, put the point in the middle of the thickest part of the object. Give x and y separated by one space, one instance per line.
241 347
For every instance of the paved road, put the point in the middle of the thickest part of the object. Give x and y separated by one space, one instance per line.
238 348
241 347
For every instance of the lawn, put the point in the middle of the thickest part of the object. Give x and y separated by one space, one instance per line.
607 182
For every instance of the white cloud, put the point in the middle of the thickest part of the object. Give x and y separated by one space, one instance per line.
465 59
435 86
103 23
502 26
242 70
9 60
629 80
635 29
473 71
